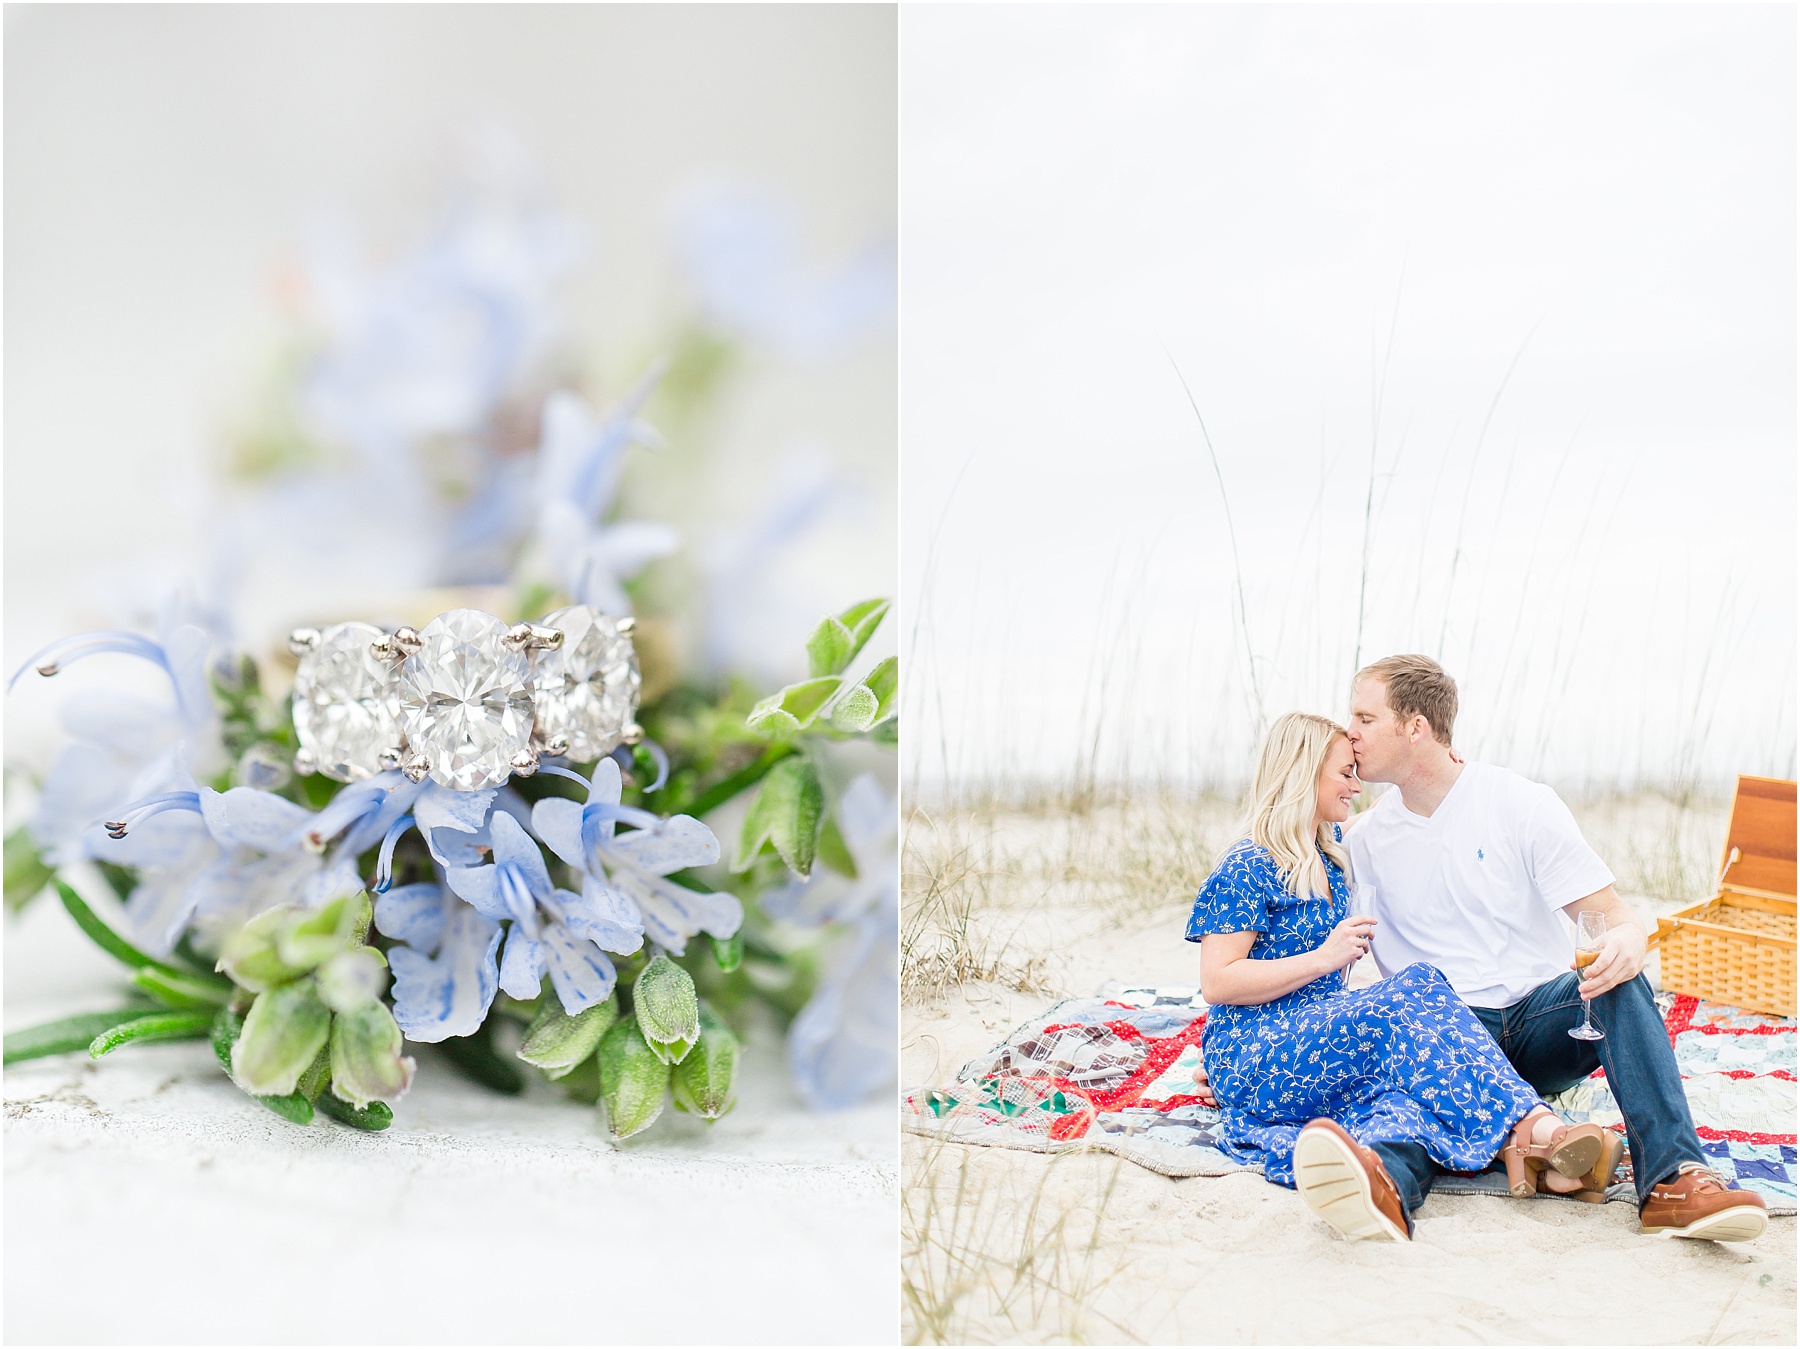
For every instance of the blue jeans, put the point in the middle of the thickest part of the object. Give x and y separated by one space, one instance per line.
1640 1068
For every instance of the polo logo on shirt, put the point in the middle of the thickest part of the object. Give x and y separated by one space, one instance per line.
1480 856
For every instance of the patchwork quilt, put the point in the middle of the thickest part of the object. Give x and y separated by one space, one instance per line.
1115 1072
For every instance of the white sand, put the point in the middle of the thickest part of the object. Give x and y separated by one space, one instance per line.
1004 1246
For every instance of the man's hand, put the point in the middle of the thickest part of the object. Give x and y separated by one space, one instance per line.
1621 958
1203 1086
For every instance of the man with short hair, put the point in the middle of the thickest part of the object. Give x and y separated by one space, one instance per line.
1467 867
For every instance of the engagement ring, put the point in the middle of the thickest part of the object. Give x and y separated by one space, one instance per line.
467 700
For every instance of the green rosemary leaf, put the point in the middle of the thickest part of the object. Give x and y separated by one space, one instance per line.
374 1117
157 1026
180 990
103 936
67 1035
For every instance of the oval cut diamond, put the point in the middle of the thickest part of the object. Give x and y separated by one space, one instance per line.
346 703
586 689
464 700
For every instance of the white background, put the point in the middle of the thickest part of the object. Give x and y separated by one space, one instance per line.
162 164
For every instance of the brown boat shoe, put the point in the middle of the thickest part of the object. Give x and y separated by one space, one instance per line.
1696 1202
1346 1185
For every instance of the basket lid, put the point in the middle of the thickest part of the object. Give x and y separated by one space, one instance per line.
1762 830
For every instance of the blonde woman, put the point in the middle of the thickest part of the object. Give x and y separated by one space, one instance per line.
1316 1082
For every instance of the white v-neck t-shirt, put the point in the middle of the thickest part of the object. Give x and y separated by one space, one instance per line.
1476 887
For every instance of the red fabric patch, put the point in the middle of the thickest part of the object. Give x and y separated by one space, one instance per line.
1161 1053
1740 1136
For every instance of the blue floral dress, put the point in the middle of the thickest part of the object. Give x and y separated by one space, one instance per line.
1402 1062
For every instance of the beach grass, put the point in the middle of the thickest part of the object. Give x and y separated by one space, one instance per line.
992 1258
975 873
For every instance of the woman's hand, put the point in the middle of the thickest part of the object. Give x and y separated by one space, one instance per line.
1348 942
1203 1086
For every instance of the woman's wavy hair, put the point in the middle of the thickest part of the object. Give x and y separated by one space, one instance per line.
1284 798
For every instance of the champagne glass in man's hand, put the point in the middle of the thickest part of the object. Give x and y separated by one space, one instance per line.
1590 936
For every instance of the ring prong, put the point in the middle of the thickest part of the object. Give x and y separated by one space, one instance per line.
302 640
417 767
388 759
631 734
406 640
525 762
625 626
529 636
557 745
304 763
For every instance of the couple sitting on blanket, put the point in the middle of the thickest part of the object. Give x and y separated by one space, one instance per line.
1358 1099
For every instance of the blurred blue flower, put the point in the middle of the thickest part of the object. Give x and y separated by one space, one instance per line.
578 464
756 614
625 888
742 249
124 748
427 371
843 1045
253 849
430 346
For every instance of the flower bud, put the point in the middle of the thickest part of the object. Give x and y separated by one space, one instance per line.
366 1064
353 979
286 1028
668 1009
316 935
250 957
633 1080
703 1083
558 1042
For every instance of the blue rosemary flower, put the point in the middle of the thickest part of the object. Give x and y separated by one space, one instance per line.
254 849
625 887
550 928
446 974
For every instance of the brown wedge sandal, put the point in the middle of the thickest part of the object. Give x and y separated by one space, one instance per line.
1595 1183
1572 1150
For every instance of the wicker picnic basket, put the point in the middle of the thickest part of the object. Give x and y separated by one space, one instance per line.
1737 948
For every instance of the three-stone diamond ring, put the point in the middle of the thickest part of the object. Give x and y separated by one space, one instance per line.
468 700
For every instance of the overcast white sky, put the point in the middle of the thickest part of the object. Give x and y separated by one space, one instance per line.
1301 206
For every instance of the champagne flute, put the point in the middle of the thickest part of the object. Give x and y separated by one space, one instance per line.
1361 905
1590 931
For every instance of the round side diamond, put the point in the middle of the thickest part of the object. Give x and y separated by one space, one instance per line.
464 701
346 703
586 690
